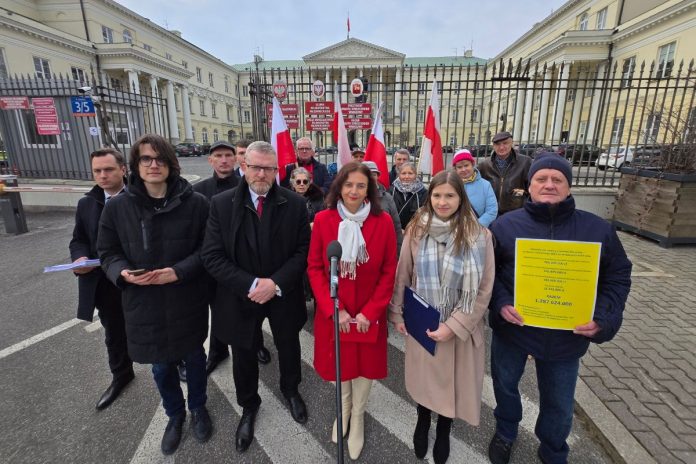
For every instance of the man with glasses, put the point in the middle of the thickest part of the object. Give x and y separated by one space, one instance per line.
95 290
305 159
256 246
149 246
222 158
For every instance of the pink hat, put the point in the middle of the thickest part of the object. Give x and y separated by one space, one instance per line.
463 155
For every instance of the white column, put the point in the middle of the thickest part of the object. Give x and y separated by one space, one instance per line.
171 111
133 82
519 107
559 104
528 109
380 95
156 114
544 107
594 109
344 84
188 129
577 109
397 94
327 82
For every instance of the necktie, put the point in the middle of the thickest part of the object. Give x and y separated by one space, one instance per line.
259 205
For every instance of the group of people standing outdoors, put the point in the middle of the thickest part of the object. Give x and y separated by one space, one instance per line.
251 249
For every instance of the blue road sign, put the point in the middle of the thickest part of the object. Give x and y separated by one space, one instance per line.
82 106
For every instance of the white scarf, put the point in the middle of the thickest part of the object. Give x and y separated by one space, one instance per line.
351 238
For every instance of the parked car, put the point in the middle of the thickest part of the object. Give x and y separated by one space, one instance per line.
205 148
579 153
615 158
648 156
532 149
480 151
188 149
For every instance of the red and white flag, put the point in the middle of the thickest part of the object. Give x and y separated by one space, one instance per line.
376 151
340 134
431 161
281 141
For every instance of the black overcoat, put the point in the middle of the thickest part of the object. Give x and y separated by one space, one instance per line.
163 322
239 247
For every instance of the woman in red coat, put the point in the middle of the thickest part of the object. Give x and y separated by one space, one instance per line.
367 271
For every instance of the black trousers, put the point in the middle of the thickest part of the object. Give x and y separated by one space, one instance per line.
245 368
218 350
108 303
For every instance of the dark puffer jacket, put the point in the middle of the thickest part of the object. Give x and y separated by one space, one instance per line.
163 322
564 222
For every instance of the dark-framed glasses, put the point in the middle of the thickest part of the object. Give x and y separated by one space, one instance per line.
267 169
146 161
301 181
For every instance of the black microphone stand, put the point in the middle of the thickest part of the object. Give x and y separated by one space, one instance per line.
337 341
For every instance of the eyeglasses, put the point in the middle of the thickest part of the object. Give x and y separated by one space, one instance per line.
305 149
301 181
146 161
265 169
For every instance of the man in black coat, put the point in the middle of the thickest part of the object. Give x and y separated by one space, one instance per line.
256 246
240 149
305 159
222 160
149 246
95 290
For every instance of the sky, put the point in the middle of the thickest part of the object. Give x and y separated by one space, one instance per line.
287 30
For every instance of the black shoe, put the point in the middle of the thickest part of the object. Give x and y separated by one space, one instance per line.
441 449
297 407
201 424
111 393
212 363
499 450
181 367
172 433
420 435
541 458
245 430
263 355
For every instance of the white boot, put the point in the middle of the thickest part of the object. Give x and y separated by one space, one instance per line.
356 438
346 403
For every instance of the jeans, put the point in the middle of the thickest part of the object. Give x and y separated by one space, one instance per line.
556 381
167 380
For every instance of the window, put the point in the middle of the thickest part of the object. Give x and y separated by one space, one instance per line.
229 113
78 74
477 87
602 19
213 110
665 60
570 95
204 135
193 133
439 87
210 80
581 131
472 139
107 34
629 65
456 87
652 127
199 74
617 130
116 83
247 116
119 127
453 140
42 68
420 115
168 56
216 135
421 88
26 122
474 115
3 66
201 105
184 64
583 21
147 47
455 116
127 36
245 91
227 84
236 90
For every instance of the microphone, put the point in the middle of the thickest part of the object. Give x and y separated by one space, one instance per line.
333 253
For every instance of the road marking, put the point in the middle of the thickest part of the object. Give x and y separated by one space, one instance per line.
38 337
94 326
149 450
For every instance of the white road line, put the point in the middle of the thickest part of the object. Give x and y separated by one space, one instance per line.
94 326
38 337
280 437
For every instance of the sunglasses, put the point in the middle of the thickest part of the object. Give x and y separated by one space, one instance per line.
301 181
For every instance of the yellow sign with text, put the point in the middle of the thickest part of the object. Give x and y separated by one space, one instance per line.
556 282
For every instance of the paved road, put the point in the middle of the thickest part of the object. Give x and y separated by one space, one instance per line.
54 368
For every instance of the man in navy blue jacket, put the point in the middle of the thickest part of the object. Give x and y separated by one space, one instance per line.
549 214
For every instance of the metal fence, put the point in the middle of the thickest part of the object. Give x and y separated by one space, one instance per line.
119 118
581 110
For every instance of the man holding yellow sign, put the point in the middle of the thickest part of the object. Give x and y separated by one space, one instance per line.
562 280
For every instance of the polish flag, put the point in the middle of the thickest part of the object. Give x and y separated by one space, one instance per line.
340 135
376 151
431 161
281 141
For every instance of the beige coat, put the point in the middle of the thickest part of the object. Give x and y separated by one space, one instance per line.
450 382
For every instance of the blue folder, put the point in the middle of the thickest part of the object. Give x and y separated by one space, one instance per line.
420 316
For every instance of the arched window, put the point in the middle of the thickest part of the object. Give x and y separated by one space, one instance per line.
204 135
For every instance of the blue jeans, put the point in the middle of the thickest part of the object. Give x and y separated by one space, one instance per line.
167 380
556 381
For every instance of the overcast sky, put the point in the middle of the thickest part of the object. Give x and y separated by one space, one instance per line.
287 30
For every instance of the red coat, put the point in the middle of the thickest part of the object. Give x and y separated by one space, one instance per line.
369 293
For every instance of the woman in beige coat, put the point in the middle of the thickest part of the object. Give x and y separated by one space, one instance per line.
447 258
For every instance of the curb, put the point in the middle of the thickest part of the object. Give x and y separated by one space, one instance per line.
621 445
